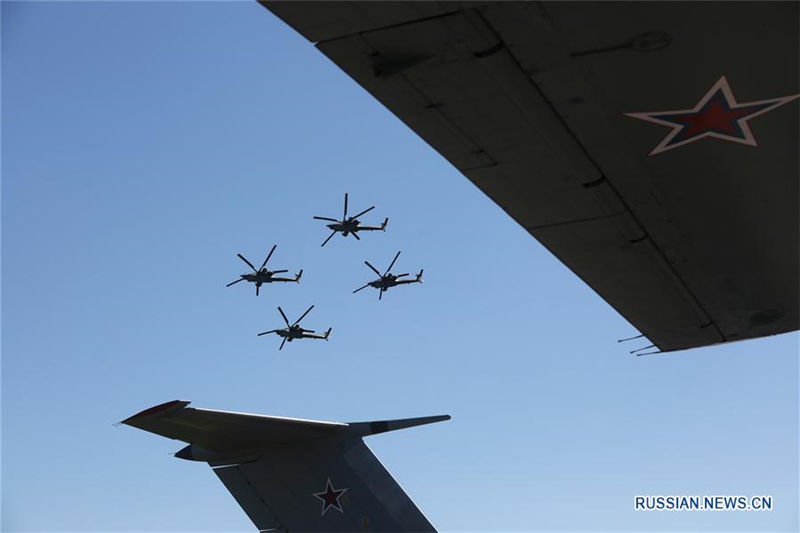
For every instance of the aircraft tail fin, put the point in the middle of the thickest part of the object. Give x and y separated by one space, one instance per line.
384 223
298 276
419 275
290 474
328 333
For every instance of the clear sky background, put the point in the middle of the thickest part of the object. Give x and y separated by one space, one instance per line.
145 144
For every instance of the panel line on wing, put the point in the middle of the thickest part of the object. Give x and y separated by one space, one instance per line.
390 26
614 190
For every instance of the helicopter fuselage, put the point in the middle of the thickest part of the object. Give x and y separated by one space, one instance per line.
293 332
258 277
384 283
345 226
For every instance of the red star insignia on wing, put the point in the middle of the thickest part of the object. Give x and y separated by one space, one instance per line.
330 498
716 115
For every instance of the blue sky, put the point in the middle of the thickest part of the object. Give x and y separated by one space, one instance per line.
145 144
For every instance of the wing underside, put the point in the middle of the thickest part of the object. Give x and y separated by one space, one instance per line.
533 102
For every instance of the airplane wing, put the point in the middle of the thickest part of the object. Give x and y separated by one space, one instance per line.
290 474
651 146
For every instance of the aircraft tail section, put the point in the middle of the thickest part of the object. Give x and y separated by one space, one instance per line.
328 333
294 475
298 276
384 223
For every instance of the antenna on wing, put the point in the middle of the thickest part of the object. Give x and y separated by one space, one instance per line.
631 338
645 348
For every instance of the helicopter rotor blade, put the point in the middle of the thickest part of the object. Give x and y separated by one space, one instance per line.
380 294
257 288
282 343
329 238
402 275
373 268
392 264
267 332
268 256
248 262
344 217
353 233
279 271
283 315
234 282
328 219
303 316
358 289
364 212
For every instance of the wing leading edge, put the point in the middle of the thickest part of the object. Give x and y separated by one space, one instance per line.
540 105
290 474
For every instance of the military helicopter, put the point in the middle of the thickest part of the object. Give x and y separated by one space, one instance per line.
350 226
387 279
294 331
262 275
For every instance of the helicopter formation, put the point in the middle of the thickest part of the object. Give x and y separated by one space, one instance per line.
346 226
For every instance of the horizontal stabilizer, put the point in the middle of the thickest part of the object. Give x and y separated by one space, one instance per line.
225 431
363 429
291 474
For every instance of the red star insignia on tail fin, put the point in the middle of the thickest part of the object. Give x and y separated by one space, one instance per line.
330 498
